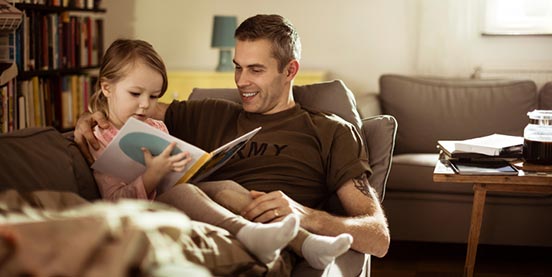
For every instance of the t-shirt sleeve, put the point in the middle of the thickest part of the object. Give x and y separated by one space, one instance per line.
182 119
348 158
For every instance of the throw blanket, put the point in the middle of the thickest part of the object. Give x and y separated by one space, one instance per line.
50 233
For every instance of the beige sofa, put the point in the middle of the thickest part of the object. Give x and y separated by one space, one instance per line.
428 109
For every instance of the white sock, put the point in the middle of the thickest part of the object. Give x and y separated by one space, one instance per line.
319 251
266 240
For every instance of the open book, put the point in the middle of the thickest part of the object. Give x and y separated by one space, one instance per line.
124 159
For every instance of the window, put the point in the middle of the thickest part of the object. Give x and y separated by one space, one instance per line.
517 17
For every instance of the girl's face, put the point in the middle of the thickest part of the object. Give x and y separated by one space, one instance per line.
135 95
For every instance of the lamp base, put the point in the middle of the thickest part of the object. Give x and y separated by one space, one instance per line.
225 60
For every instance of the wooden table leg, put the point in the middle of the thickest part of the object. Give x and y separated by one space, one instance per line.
480 193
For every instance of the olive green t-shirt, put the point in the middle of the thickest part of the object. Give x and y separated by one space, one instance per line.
306 155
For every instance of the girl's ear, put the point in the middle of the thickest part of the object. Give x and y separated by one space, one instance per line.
104 86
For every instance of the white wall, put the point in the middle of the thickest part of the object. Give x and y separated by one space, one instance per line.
355 40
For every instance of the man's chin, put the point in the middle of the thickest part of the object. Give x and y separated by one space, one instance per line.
250 108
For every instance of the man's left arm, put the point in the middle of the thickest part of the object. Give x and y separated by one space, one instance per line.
366 221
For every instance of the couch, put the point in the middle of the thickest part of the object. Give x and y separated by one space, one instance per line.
35 160
428 109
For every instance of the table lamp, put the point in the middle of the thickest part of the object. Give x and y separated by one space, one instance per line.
223 38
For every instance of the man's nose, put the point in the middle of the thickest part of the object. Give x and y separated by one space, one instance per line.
241 79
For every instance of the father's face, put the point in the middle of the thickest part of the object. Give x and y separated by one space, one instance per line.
262 88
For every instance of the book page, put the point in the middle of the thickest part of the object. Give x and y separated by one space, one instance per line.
124 159
222 154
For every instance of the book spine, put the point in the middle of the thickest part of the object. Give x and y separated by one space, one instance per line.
194 168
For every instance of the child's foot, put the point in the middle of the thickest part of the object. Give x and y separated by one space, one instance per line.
266 240
320 251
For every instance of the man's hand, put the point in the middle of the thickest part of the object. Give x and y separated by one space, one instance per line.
84 133
273 206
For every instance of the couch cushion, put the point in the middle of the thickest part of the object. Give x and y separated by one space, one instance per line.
323 96
430 109
379 133
35 159
545 97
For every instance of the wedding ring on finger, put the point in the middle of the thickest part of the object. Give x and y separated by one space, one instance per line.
276 213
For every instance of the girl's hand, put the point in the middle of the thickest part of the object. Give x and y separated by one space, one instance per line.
164 162
159 166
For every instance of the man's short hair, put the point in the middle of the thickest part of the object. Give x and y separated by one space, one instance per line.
286 45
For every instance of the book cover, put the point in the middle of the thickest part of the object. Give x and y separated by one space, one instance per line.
483 168
491 145
124 159
8 71
448 151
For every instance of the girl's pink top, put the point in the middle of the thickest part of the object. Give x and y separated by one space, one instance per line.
111 187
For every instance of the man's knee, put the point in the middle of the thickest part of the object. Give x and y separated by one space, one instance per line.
227 193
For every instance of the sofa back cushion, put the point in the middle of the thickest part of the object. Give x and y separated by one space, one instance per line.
37 159
428 109
331 96
545 97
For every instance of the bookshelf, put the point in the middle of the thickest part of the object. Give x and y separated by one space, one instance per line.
58 48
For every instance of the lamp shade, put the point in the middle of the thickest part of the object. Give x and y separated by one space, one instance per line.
223 31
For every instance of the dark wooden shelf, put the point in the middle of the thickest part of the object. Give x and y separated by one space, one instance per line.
48 8
54 72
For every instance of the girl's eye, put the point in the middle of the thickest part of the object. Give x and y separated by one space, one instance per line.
154 96
135 94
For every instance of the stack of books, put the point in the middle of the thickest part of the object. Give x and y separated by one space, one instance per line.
488 155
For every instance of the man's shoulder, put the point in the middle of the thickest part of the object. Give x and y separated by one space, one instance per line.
207 102
326 118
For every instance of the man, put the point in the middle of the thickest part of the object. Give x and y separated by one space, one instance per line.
298 159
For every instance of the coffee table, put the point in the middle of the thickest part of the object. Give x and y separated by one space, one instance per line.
482 184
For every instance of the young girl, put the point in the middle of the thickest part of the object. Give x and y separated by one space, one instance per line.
132 77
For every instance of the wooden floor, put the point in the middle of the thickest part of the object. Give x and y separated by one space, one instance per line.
438 259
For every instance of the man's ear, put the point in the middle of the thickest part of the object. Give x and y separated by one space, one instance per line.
292 69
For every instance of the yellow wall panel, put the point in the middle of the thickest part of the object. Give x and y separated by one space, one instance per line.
181 83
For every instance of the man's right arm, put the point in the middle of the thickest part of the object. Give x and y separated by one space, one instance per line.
84 133
160 110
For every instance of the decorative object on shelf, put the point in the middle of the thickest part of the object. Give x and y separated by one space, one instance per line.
10 17
223 38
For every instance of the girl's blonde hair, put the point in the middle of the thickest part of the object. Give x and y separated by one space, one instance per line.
119 58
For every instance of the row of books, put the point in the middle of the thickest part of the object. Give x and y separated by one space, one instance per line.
39 102
81 4
50 41
488 155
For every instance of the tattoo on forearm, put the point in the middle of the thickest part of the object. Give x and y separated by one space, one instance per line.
361 183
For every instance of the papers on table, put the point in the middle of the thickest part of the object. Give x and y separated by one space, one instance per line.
491 145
